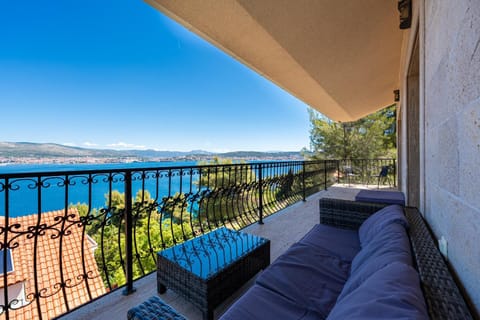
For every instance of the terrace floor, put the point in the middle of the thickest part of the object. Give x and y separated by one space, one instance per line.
283 229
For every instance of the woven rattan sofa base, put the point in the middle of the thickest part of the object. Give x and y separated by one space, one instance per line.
441 293
208 293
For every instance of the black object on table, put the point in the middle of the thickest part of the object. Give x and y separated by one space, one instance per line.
153 308
210 268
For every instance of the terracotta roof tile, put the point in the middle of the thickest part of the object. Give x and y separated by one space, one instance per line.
49 238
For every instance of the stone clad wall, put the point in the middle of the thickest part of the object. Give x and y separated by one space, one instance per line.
452 132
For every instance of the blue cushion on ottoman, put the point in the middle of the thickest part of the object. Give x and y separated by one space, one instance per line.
391 293
387 197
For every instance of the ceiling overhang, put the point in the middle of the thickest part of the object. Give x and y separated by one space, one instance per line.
341 57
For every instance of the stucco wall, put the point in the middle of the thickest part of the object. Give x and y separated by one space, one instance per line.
451 107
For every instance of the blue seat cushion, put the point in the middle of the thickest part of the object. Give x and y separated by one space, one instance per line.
393 292
309 276
342 243
376 196
390 245
377 221
261 303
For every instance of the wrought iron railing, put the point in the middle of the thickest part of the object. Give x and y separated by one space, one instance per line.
69 237
368 172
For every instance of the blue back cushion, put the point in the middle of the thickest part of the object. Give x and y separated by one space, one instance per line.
342 243
377 221
393 292
390 245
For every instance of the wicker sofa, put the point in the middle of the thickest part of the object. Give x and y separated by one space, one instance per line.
310 281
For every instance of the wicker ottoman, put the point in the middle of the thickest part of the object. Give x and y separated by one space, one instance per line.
208 269
153 309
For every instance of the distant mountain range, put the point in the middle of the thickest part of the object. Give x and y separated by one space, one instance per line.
45 150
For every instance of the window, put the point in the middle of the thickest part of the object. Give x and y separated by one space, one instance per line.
9 265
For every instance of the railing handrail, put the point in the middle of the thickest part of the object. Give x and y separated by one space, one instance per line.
153 168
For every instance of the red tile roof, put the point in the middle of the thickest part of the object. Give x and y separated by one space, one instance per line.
58 241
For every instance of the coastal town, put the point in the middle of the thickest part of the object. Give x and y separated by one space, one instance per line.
64 160
28 153
4 161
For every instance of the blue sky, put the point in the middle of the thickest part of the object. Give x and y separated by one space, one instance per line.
118 74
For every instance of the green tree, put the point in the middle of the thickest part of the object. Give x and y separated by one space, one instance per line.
228 194
152 232
370 137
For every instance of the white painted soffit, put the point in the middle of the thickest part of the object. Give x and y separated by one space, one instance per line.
341 57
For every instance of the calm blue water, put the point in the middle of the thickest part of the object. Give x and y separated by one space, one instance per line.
22 168
25 198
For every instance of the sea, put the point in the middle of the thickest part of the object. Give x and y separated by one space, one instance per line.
25 198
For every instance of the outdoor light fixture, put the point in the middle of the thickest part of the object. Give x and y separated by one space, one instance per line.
396 95
405 9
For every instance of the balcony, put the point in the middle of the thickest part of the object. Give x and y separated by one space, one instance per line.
92 235
283 229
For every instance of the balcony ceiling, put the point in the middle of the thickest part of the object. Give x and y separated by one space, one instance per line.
341 57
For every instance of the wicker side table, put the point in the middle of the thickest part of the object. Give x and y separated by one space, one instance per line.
208 269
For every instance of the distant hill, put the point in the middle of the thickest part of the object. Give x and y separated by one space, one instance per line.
28 149
164 154
258 154
44 150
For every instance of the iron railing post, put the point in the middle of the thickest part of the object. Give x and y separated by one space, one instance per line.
260 194
5 245
304 187
394 173
338 170
325 174
129 289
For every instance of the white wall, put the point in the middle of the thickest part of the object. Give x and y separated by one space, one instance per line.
450 103
15 292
